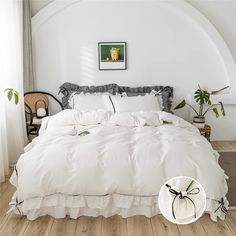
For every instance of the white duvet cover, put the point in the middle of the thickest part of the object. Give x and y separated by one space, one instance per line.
117 167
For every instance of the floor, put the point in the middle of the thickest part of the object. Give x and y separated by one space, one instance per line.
224 145
13 225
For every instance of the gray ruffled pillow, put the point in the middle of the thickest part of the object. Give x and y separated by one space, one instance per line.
68 88
166 92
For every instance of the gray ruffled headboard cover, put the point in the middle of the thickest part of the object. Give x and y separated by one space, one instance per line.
166 92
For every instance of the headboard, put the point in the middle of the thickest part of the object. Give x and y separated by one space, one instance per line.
166 92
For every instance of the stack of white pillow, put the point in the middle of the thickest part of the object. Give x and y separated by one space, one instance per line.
117 103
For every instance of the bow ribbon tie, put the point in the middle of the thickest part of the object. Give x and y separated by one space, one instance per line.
221 206
15 205
183 195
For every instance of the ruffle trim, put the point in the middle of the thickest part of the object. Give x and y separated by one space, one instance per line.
60 205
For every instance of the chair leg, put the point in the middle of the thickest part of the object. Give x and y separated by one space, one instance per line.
37 131
27 130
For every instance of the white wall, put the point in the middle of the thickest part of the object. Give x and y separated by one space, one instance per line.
222 14
165 47
37 5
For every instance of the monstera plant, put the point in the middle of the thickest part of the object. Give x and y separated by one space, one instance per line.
203 99
11 93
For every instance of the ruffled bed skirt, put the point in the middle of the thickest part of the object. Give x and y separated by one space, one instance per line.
60 205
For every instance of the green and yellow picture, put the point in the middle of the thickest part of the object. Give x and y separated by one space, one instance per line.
112 56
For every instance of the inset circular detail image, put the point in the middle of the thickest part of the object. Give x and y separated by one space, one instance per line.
182 200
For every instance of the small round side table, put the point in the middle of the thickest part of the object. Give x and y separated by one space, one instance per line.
206 132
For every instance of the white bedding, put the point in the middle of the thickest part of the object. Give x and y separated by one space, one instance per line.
116 168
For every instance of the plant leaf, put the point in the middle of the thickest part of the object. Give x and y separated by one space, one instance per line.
180 105
216 112
10 94
16 96
7 89
201 96
209 101
222 108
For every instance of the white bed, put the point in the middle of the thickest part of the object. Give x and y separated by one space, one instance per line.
116 168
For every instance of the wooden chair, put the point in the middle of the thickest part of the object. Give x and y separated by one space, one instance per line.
36 101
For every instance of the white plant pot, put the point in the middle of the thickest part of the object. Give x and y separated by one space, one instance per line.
199 122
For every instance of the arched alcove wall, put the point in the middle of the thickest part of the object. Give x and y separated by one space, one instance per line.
168 43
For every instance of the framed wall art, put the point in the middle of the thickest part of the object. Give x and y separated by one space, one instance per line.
112 56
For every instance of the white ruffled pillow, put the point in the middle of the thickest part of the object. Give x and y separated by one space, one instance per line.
90 102
157 94
134 119
70 117
136 103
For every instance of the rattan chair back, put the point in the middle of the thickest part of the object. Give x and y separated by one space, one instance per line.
35 101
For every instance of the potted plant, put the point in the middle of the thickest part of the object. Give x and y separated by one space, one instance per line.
115 53
202 98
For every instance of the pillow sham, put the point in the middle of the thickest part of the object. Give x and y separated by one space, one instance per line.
90 102
165 93
68 88
157 94
136 103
